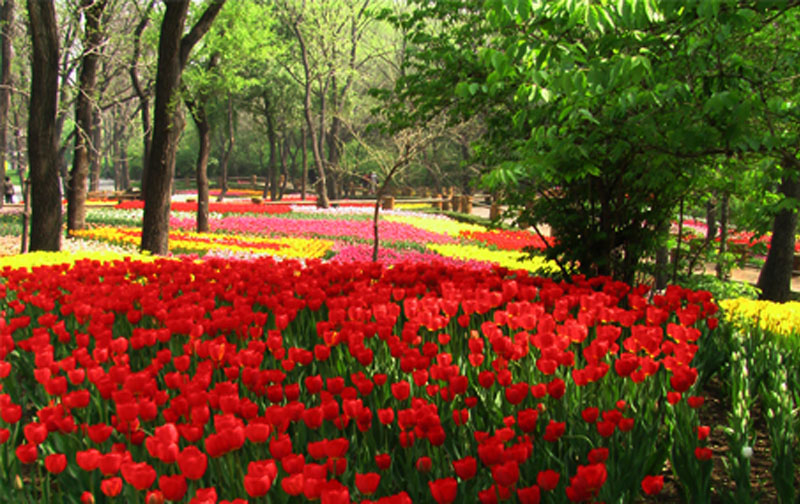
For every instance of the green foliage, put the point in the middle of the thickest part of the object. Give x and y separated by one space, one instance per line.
600 116
722 289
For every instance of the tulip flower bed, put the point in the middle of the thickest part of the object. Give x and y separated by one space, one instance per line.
222 208
202 243
263 381
510 240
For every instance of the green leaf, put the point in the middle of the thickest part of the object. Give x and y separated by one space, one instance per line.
473 88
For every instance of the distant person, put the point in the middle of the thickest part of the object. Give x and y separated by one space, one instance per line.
8 190
373 182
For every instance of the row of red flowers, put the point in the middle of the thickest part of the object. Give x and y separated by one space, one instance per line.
357 382
236 207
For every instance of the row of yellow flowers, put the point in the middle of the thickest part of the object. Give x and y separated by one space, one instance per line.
434 224
201 243
782 319
510 259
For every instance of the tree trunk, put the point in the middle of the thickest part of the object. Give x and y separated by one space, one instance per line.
95 154
284 150
723 236
42 139
173 52
85 120
6 17
270 185
304 157
711 223
322 195
226 154
198 113
144 97
775 280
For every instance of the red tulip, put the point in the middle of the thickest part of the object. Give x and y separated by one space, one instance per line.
529 495
696 401
280 446
35 433
27 453
466 467
586 484
386 416
173 487
597 455
367 483
87 498
506 474
590 414
401 390
443 490
652 485
154 497
293 484
424 464
383 461
702 453
55 463
257 432
554 431
99 433
334 493
192 462
516 393
139 475
547 479
4 435
11 413
111 487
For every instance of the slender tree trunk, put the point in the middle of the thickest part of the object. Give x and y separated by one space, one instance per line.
284 169
95 154
228 151
270 185
711 222
677 257
85 120
775 280
723 236
322 195
143 94
42 139
198 113
6 25
304 157
173 52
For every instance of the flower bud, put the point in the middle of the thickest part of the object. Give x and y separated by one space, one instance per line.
747 452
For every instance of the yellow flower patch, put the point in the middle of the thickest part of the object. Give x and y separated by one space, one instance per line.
184 241
510 259
777 318
434 225
39 258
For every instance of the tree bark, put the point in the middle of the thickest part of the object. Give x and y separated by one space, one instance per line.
42 139
6 17
775 279
84 115
723 236
322 195
200 118
227 152
270 185
95 154
173 52
304 157
144 96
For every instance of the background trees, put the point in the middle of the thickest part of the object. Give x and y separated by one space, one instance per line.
599 120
